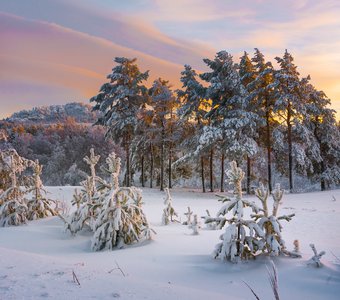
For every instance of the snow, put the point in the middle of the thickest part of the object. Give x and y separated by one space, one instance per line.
37 260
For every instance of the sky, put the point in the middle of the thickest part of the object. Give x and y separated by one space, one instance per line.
60 51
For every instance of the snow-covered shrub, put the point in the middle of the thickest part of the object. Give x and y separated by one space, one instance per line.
87 201
113 213
270 223
13 204
241 237
39 206
121 221
168 212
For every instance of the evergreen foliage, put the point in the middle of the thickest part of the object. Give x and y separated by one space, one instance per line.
39 206
241 237
119 102
13 204
270 222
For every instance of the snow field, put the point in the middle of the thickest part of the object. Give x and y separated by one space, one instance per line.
37 261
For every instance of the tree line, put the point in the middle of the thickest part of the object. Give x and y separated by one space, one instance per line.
249 112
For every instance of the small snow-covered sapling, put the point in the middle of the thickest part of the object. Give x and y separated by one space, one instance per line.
316 259
273 242
240 239
188 214
194 225
168 212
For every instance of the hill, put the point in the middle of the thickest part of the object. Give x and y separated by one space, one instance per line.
80 112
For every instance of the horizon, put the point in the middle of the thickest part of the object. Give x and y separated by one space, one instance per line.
57 52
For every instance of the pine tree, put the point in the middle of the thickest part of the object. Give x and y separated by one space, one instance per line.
87 201
163 103
290 109
270 223
232 124
39 206
262 98
168 212
321 121
121 220
248 76
119 102
13 204
194 106
236 243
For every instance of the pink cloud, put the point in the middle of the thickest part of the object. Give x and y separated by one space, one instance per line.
42 53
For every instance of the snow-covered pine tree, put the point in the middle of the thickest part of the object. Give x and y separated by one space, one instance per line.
270 223
233 125
13 204
261 96
143 143
121 220
241 238
194 225
247 75
168 212
39 206
119 102
188 215
163 102
322 122
194 106
87 200
292 136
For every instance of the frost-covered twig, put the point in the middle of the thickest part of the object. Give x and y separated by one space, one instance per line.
253 292
273 279
118 268
316 259
75 278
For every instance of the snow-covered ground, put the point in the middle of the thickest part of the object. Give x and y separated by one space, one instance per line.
38 260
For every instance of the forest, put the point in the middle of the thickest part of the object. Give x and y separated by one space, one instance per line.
274 123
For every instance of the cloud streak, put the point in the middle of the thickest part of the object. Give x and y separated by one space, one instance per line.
70 60
70 44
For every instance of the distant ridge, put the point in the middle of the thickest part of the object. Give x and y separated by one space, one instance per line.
80 112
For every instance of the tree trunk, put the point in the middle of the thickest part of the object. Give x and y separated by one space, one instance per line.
322 165
202 174
162 161
142 162
322 182
151 165
170 169
248 174
128 170
269 146
290 150
211 170
222 172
